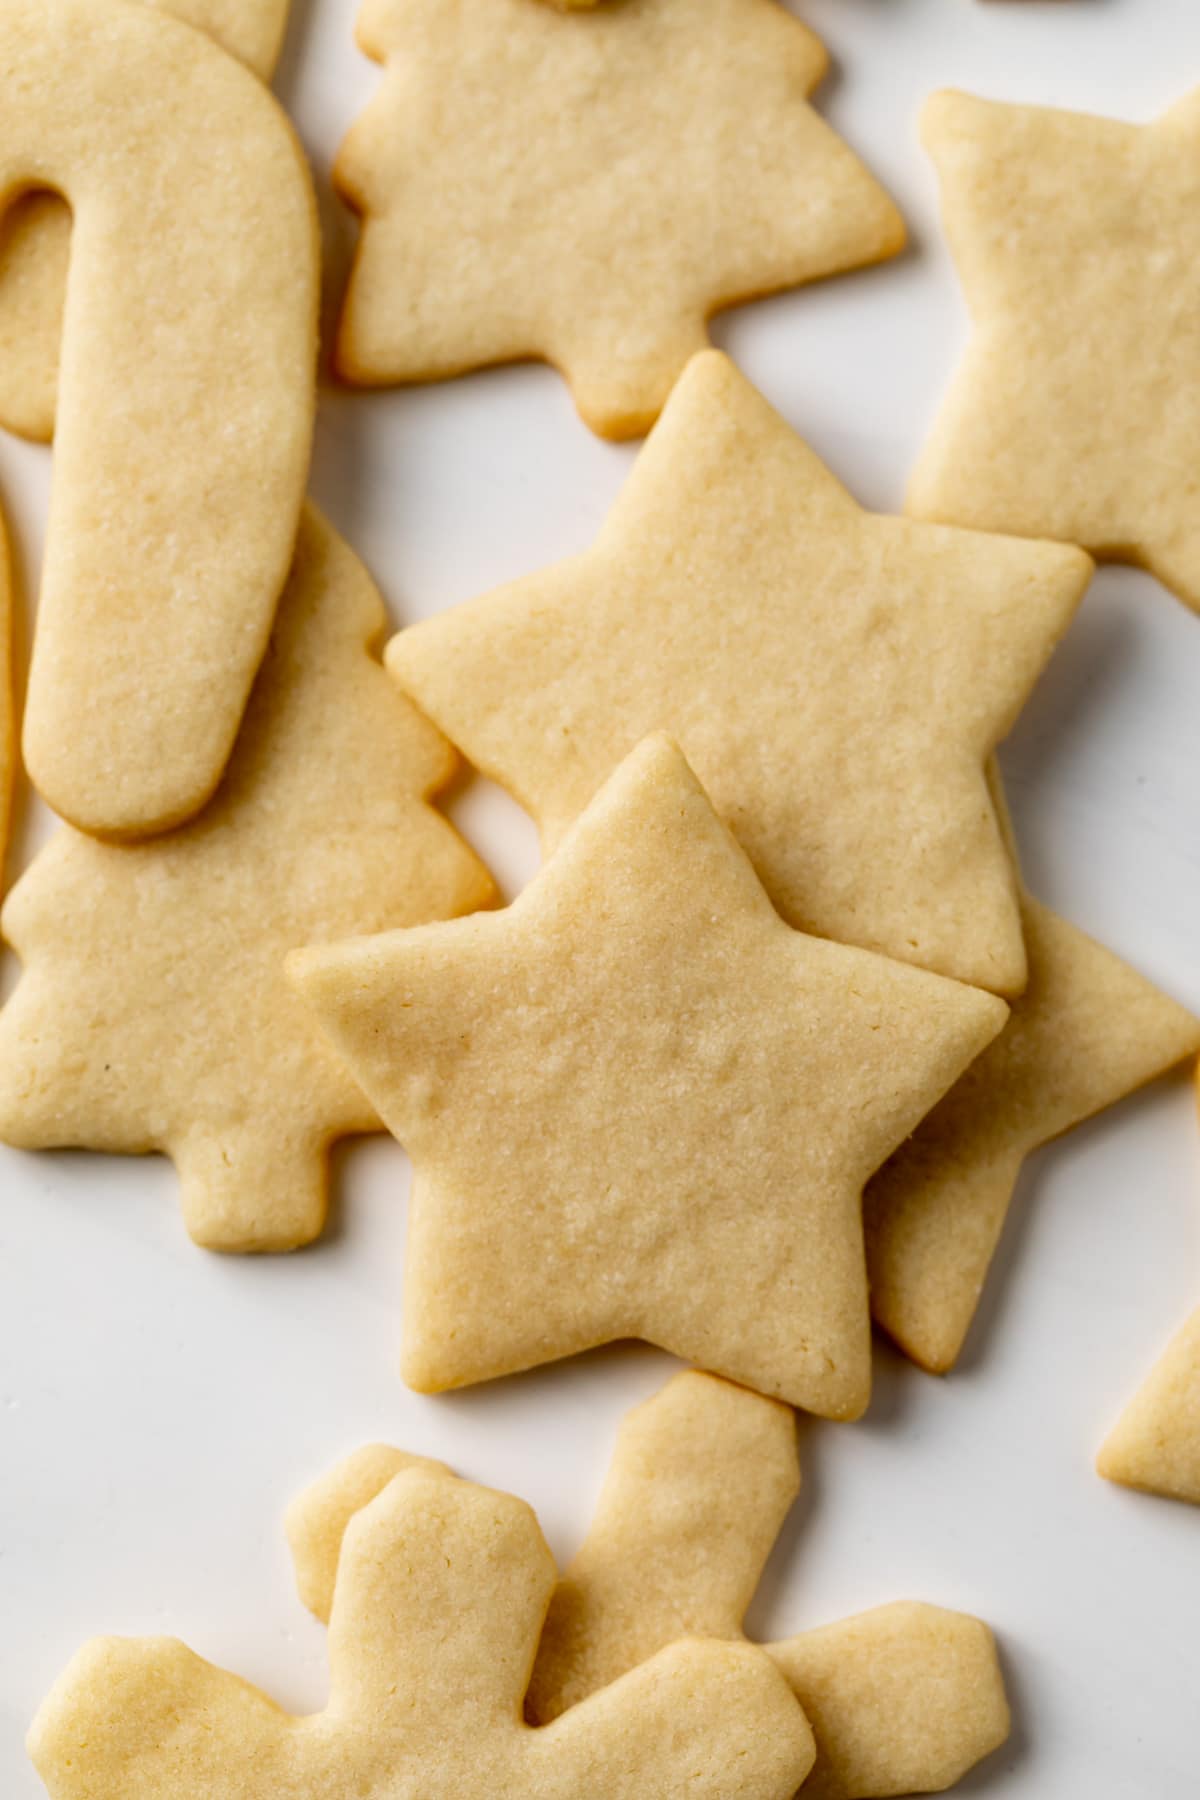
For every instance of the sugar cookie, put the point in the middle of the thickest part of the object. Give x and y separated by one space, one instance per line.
186 398
1087 1031
639 1105
1076 411
441 1592
837 679
904 1699
35 234
153 1013
532 184
1155 1444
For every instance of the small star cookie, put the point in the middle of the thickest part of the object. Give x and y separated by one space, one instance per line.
903 1699
35 233
1076 412
1087 1031
1155 1444
639 1105
153 1013
836 679
533 183
441 1592
186 398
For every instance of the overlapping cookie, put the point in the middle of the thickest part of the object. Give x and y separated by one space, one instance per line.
153 1013
35 233
532 183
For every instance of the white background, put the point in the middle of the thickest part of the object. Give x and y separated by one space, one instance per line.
158 1406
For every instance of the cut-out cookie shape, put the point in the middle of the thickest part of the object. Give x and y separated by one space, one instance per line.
532 183
441 1593
1076 411
1155 1444
35 233
186 397
903 1699
640 1105
837 679
1087 1031
153 1012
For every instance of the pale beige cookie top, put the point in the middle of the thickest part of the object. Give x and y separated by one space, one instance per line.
153 1013
533 182
35 233
441 1592
836 678
186 404
639 1105
1155 1444
904 1699
1087 1031
1076 411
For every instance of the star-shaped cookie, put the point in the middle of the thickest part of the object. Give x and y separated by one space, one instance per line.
1087 1031
35 232
640 1105
1076 411
535 183
903 1699
837 679
153 1013
441 1593
1155 1444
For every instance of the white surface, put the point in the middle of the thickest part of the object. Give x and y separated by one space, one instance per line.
158 1406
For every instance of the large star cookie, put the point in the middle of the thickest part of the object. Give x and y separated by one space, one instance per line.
639 1105
537 183
1087 1031
836 679
441 1593
153 1013
1076 412
1155 1444
903 1699
35 233
186 398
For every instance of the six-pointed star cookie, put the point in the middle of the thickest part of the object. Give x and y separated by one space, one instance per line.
640 1105
1087 1031
536 183
836 679
1076 412
441 1593
903 1699
153 1013
1155 1444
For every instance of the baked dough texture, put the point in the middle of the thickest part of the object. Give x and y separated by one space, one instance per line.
153 1013
1075 413
639 1105
441 1592
836 679
1087 1031
186 398
903 1699
1155 1444
587 186
35 233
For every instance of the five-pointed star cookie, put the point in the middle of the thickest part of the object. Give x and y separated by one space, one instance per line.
640 1105
153 1013
1155 1444
903 1699
35 232
533 182
1076 412
837 679
1087 1031
441 1593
